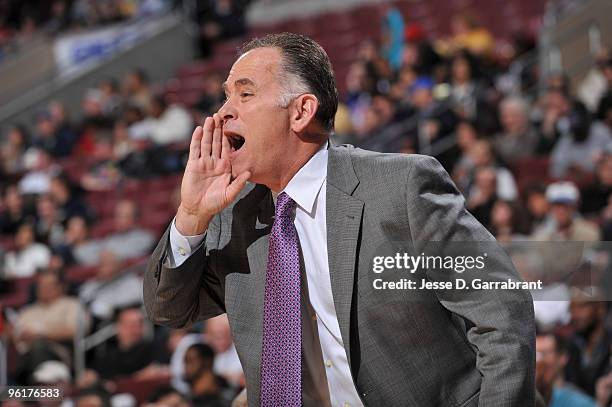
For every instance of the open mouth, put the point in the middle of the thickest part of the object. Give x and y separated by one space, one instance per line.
236 141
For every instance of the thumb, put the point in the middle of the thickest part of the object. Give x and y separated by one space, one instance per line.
237 185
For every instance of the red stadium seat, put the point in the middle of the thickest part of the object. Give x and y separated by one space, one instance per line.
80 274
18 292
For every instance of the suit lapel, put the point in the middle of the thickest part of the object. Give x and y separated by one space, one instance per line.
344 213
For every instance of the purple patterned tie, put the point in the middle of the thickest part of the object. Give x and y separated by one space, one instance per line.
281 355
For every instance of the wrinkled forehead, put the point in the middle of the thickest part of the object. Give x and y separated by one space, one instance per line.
259 66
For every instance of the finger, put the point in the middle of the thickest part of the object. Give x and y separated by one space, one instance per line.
207 137
237 184
195 146
216 140
226 148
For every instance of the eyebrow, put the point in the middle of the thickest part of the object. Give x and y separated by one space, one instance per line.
239 82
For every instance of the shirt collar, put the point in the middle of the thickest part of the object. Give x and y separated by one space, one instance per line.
305 185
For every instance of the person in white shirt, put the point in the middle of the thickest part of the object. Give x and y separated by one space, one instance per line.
28 256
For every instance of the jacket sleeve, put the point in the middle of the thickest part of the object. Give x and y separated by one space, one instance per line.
500 324
178 296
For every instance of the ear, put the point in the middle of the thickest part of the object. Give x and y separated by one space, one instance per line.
303 111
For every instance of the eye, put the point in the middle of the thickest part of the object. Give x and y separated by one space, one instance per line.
245 94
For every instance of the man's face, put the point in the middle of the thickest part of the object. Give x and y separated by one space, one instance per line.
109 266
584 315
513 119
604 171
24 236
549 363
421 98
194 365
130 327
125 216
563 214
48 288
252 113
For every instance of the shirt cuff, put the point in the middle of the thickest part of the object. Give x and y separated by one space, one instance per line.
181 246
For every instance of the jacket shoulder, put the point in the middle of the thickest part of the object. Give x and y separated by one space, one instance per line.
371 162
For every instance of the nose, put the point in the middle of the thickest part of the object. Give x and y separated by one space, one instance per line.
228 111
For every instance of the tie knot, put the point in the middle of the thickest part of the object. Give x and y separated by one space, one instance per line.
284 205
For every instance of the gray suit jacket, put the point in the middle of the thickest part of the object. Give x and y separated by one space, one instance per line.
448 348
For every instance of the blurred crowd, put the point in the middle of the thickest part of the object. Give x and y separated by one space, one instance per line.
21 20
533 162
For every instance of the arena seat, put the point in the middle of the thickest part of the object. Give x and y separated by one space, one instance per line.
531 170
18 291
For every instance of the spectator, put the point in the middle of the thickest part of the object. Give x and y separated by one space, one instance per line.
590 345
580 145
123 145
459 161
28 255
603 390
167 396
468 35
206 388
67 198
14 213
53 135
553 106
213 95
59 115
419 53
393 36
507 221
137 91
44 329
538 207
105 174
551 359
603 110
77 247
110 289
168 124
218 336
93 110
93 397
566 224
595 196
481 155
481 201
128 240
466 93
110 97
41 170
219 19
435 119
131 353
49 227
13 149
517 139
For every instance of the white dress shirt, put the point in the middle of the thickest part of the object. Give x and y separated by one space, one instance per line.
307 188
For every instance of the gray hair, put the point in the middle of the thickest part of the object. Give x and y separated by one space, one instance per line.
515 102
305 69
